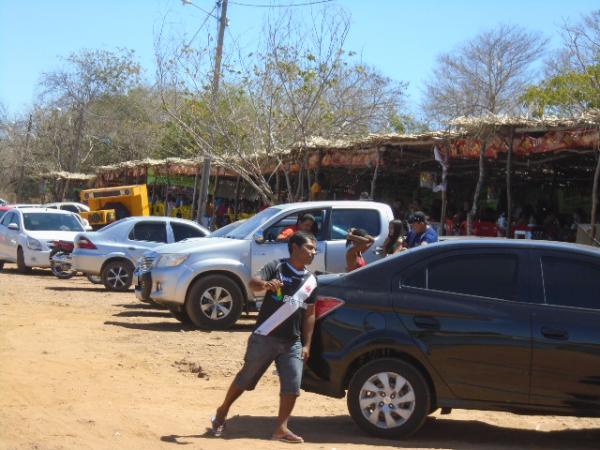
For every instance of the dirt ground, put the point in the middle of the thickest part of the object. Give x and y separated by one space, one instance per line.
81 368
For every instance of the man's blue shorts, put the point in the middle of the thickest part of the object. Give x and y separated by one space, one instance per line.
261 352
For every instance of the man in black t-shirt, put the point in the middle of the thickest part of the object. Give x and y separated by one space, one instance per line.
283 332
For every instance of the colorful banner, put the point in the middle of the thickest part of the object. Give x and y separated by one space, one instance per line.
550 142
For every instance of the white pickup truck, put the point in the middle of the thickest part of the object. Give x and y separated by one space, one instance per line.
206 281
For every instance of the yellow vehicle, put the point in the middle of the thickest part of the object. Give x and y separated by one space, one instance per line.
114 203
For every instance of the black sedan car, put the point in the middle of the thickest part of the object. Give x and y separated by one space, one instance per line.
474 324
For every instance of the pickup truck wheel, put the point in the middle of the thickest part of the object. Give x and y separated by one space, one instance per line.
388 398
181 315
117 275
95 279
214 303
21 266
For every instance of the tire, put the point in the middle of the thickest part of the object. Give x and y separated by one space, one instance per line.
58 271
368 396
117 275
181 315
1 265
121 210
145 282
204 312
94 279
21 266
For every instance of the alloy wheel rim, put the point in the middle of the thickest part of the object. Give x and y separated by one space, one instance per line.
216 303
387 400
117 277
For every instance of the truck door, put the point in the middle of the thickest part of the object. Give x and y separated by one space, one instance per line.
341 221
269 248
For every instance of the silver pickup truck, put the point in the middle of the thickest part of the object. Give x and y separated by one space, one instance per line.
206 281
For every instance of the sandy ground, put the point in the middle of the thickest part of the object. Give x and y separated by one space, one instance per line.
83 368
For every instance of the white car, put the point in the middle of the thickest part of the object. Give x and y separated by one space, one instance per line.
26 234
68 206
113 251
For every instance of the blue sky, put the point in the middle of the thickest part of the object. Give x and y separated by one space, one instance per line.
399 37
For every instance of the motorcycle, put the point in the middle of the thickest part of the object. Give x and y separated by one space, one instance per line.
60 259
60 262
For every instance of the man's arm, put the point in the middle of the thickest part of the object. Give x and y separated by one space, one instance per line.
265 280
308 327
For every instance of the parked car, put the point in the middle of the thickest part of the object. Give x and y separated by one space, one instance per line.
26 235
68 206
472 324
207 283
113 251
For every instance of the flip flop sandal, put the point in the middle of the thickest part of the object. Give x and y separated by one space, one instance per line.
216 430
290 438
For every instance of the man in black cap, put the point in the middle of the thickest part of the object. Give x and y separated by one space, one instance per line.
421 233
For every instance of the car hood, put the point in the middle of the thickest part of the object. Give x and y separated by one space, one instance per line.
199 245
53 235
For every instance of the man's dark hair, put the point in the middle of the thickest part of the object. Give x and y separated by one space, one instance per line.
306 217
300 238
418 217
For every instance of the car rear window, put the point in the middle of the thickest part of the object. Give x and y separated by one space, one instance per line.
570 282
149 231
484 275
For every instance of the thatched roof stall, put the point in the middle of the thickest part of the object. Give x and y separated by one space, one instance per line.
61 184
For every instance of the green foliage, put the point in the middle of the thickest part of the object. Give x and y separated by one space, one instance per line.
570 91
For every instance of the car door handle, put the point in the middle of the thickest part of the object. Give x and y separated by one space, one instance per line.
132 248
555 333
428 323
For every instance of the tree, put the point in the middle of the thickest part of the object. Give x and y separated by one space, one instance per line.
300 83
88 77
572 84
486 75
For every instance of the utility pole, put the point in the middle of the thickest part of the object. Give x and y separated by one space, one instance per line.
202 202
23 158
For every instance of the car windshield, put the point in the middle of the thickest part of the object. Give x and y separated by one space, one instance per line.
51 222
253 223
224 231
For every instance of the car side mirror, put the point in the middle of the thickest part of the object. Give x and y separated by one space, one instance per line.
13 226
88 228
259 237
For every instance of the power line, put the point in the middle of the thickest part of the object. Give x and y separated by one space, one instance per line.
289 5
208 14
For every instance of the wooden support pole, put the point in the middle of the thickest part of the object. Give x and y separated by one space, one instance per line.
509 184
374 179
442 230
478 187
593 211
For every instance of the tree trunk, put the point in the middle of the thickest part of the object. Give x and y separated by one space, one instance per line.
64 190
24 158
374 179
442 230
509 184
236 203
480 180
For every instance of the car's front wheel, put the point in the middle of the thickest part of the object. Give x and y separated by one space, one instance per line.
117 275
214 302
1 265
21 266
388 398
